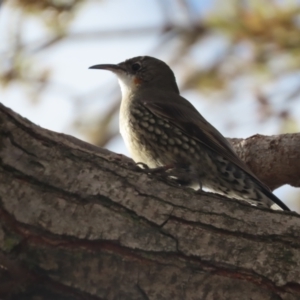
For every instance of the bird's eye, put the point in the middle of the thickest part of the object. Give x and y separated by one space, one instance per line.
135 66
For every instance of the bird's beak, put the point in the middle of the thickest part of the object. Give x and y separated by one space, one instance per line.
113 68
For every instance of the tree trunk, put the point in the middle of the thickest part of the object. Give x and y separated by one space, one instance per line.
80 222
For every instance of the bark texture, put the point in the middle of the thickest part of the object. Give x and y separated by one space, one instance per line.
79 222
275 159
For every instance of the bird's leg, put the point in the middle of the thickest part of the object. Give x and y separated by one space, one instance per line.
182 174
160 169
162 172
142 165
200 186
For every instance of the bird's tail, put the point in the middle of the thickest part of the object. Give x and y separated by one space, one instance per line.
274 202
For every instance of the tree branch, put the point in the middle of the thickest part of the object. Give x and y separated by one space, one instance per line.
275 159
80 222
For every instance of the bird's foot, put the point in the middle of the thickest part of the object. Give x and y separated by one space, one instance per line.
162 172
175 174
148 170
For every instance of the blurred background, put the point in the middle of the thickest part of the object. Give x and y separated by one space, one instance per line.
237 61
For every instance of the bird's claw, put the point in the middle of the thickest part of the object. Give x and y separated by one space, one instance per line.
142 165
161 169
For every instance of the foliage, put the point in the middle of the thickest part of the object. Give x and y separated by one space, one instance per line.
259 43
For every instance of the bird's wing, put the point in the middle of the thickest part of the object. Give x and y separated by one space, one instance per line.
183 115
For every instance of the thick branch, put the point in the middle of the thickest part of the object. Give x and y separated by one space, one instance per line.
79 222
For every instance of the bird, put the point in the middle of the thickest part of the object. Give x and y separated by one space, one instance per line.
164 131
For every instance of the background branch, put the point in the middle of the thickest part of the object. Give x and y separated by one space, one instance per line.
275 159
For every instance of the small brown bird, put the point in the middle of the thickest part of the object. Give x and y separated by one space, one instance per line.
162 129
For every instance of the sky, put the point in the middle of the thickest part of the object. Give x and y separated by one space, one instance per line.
71 79
70 60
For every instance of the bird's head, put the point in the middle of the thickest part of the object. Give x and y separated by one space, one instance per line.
142 72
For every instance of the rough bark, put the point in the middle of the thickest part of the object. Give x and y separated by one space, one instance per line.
80 222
